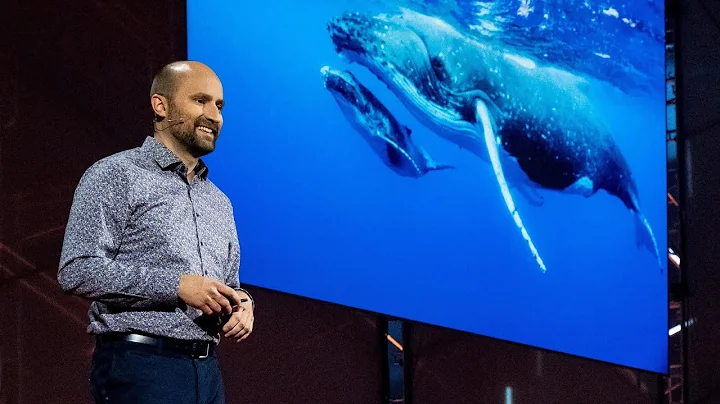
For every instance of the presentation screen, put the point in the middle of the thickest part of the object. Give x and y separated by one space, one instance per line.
492 167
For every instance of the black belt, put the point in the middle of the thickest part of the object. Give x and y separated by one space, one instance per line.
194 349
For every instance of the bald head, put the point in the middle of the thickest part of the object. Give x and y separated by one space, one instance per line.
168 79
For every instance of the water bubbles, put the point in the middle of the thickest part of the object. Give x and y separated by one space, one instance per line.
629 22
611 12
525 8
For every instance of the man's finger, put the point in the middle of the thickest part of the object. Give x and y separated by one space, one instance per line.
231 323
225 303
215 294
249 329
206 309
230 293
234 324
213 305
242 335
238 328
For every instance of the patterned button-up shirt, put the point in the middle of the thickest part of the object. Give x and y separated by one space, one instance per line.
135 226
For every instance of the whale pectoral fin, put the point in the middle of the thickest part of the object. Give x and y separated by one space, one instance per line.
431 165
485 125
644 236
439 167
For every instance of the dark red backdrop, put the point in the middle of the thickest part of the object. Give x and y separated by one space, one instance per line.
74 78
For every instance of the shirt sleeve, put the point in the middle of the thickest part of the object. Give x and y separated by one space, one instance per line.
99 215
233 279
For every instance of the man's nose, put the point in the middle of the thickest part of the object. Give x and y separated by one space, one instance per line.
213 114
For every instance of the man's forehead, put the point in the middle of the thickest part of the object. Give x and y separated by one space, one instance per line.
192 82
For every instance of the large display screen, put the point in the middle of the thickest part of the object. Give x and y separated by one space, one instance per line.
492 167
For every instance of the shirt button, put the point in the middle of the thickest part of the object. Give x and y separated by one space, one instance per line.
197 214
202 244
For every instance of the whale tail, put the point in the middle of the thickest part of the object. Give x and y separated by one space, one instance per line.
644 236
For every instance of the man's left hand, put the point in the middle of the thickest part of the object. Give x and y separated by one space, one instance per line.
240 324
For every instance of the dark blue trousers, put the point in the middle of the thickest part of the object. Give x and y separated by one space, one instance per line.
127 372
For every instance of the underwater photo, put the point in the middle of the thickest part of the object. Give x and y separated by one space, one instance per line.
494 167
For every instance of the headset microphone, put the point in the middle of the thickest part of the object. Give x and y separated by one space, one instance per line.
179 120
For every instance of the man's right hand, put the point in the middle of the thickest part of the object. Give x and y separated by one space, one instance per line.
208 295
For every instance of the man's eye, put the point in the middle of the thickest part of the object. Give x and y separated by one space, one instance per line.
201 101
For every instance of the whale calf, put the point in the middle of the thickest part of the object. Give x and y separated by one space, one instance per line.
533 123
390 140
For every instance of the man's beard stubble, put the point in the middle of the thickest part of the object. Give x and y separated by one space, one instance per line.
187 136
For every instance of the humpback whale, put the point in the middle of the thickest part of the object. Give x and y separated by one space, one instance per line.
533 123
389 139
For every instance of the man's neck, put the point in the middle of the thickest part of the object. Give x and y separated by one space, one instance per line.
189 160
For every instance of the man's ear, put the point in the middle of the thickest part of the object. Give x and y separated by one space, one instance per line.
159 106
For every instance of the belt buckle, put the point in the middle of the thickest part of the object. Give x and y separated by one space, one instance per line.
206 354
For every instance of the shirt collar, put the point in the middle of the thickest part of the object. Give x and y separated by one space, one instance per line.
167 159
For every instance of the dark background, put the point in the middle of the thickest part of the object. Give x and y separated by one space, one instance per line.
75 79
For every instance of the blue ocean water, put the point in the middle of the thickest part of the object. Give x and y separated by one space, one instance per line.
320 216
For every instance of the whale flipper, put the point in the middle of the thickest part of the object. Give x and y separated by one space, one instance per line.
483 118
432 165
644 236
438 167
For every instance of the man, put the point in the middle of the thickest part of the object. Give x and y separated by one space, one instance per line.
152 242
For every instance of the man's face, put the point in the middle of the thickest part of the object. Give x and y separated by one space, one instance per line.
198 101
